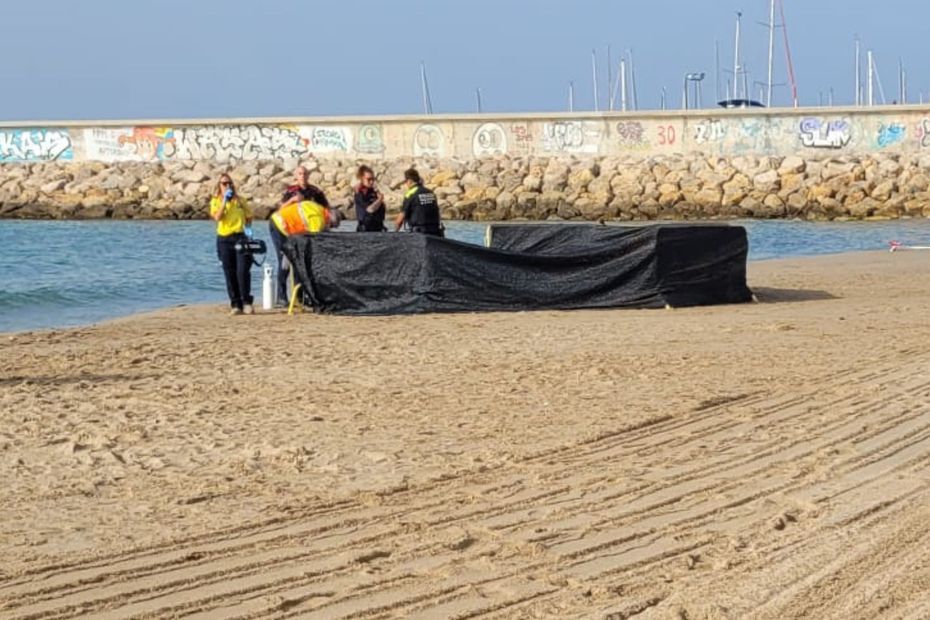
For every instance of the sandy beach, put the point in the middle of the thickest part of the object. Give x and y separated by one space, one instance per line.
767 460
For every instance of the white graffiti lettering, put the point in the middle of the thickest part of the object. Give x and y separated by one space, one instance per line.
709 131
22 145
244 143
569 137
819 134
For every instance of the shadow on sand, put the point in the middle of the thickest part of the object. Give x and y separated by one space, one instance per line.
768 295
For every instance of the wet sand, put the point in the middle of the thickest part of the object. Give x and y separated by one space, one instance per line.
767 460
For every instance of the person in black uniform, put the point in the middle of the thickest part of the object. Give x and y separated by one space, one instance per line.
369 202
420 213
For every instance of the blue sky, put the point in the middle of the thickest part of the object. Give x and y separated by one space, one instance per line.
68 59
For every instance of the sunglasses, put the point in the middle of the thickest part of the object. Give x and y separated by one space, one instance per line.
225 182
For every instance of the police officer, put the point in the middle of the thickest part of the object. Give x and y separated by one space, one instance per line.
421 209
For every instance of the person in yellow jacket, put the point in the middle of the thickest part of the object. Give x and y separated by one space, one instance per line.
233 217
297 218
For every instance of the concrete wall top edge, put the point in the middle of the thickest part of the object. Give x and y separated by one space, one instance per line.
478 118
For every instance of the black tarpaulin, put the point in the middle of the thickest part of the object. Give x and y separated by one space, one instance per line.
649 267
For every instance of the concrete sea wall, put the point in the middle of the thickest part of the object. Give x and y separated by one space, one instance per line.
810 163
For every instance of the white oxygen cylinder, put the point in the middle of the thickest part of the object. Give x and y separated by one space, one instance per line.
268 287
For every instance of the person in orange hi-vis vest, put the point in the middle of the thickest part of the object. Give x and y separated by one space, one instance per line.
298 218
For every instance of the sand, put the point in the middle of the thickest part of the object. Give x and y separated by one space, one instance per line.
767 460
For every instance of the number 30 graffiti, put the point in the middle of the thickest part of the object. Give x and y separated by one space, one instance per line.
667 135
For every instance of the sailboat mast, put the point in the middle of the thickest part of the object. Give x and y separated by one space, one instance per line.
633 80
424 85
784 30
736 58
594 73
871 91
768 98
858 75
610 75
622 84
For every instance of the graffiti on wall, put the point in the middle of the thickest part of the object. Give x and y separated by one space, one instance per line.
370 140
149 142
570 137
923 133
817 133
522 136
666 135
239 143
631 135
756 136
25 145
327 139
890 134
489 141
128 143
428 141
709 131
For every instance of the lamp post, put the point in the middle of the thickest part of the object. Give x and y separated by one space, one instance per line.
696 78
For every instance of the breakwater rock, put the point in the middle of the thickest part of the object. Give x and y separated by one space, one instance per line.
505 188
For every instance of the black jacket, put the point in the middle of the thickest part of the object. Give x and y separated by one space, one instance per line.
421 211
368 222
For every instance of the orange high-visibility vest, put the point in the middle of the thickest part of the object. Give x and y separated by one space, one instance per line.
299 218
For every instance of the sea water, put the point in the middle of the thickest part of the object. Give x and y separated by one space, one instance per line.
64 273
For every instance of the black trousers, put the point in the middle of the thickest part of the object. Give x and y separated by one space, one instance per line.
277 240
237 267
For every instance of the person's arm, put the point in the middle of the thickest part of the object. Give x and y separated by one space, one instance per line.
404 213
217 209
247 210
287 198
317 195
377 204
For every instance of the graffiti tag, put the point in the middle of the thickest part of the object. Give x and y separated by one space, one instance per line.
709 131
489 141
632 135
818 134
247 142
521 133
35 145
890 134
569 137
330 139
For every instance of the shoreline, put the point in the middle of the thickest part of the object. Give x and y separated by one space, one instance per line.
205 306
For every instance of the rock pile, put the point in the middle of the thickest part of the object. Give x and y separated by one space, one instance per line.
677 187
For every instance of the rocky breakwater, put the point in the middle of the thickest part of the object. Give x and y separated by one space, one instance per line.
678 187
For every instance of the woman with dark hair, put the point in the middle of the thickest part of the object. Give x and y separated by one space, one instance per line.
233 216
369 202
420 212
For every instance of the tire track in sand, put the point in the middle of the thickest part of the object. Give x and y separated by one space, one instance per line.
590 555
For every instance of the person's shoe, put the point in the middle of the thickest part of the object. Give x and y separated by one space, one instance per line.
248 309
235 311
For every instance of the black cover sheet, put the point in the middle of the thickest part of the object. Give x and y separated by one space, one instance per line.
576 267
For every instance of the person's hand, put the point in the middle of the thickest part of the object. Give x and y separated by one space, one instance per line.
229 194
